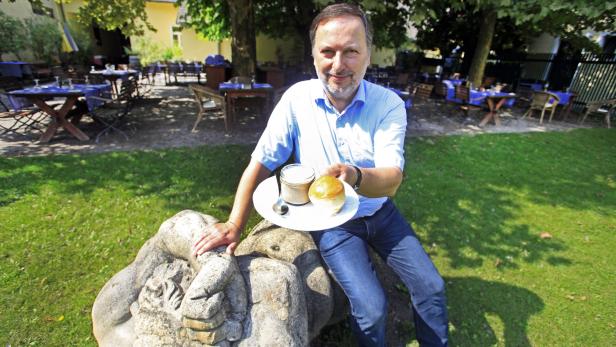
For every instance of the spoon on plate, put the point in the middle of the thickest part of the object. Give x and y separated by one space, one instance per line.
279 206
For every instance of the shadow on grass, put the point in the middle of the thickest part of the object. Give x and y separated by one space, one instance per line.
482 313
466 196
204 178
476 306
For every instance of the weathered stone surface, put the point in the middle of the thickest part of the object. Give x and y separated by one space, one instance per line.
275 292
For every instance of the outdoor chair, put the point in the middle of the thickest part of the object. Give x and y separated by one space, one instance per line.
440 92
208 100
600 107
422 91
192 70
542 101
467 105
13 122
113 110
173 69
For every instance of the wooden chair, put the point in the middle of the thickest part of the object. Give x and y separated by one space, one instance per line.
209 100
422 91
600 107
542 101
467 105
440 91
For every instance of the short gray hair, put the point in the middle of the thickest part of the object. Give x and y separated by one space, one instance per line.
339 10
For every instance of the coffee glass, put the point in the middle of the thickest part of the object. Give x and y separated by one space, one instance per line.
295 180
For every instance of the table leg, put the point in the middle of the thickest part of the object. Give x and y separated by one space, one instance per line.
59 119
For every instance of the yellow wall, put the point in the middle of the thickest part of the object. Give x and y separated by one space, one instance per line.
162 16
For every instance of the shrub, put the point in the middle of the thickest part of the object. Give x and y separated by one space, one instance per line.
13 35
45 39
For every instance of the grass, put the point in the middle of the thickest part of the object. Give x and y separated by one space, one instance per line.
480 205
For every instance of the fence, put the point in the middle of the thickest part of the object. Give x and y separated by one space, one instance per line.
595 78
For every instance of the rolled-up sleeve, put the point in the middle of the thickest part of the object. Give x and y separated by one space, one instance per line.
389 137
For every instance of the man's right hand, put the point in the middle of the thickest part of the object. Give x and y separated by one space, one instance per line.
220 234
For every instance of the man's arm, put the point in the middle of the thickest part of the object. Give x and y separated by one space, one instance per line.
229 233
375 182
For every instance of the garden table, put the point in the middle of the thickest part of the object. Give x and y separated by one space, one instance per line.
40 95
114 75
495 101
235 91
15 69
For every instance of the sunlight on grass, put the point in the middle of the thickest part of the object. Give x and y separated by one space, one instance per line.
520 226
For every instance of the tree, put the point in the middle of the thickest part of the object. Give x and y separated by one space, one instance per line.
128 15
288 19
560 18
13 35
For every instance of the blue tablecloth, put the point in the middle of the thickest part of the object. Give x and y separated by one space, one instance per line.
14 69
123 74
88 90
215 60
564 96
227 85
477 97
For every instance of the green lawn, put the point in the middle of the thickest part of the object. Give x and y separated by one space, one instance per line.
480 204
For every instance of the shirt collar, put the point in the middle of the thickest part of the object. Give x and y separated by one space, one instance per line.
321 98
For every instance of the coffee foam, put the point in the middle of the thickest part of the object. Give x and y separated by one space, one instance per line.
297 174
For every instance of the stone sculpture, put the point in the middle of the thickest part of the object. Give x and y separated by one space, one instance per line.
273 292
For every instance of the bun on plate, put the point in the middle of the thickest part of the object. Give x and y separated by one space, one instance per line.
327 193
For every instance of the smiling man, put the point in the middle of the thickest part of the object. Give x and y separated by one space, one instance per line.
344 126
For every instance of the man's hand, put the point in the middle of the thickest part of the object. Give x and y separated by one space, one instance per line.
344 172
219 234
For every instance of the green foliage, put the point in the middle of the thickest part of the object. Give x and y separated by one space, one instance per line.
172 53
209 18
13 35
291 19
147 50
129 16
45 39
479 204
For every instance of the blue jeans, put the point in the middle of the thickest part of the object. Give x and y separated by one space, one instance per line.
345 251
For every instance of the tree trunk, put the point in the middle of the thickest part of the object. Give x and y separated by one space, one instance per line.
484 42
243 43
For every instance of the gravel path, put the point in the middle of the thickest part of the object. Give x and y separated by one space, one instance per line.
165 117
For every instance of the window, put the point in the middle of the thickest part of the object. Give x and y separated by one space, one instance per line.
40 9
176 35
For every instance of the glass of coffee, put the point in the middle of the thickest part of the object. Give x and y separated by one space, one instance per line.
295 180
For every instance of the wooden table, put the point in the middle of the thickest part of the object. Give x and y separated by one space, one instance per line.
40 96
495 102
233 93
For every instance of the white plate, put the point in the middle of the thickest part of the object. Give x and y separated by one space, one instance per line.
306 217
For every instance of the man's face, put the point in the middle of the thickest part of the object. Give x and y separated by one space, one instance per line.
341 56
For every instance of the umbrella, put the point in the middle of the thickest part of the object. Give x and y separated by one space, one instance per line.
69 42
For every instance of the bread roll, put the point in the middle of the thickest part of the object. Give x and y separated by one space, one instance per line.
327 193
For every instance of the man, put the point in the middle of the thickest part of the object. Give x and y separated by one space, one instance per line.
343 126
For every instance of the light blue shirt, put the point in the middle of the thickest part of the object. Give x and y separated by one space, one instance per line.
369 133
